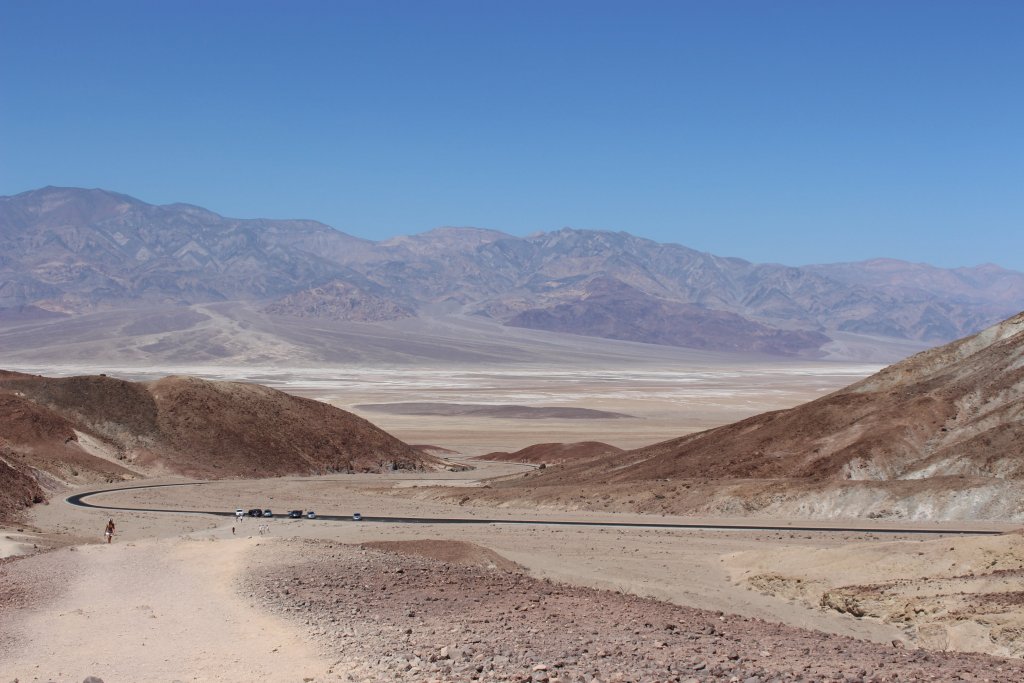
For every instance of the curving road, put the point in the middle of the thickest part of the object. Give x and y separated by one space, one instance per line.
79 500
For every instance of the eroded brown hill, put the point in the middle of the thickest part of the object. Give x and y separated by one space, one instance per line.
549 453
18 488
57 447
233 429
73 430
954 410
940 434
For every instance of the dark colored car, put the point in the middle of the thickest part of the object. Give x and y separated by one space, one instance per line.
268 513
295 514
255 512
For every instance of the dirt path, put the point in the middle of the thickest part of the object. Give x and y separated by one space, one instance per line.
162 610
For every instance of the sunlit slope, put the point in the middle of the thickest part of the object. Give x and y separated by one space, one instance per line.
73 430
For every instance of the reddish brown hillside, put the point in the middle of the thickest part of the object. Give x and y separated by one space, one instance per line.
937 436
46 444
955 410
236 429
18 489
62 431
91 399
551 453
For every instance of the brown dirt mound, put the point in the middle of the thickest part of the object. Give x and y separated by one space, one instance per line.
451 552
552 453
235 429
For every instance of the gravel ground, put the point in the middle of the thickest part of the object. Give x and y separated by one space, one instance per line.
387 616
25 583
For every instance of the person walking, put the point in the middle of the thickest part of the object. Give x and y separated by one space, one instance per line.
109 531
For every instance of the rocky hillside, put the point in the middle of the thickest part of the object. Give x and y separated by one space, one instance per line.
941 433
954 410
18 487
83 429
71 251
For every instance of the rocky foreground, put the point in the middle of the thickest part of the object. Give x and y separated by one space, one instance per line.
399 616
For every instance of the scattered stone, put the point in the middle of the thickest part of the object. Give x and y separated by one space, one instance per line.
475 623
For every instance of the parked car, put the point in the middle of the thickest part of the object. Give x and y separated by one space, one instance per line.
356 517
239 512
255 512
295 514
268 513
310 515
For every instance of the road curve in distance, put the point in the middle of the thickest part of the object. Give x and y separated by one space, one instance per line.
79 500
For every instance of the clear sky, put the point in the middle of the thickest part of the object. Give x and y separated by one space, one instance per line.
793 132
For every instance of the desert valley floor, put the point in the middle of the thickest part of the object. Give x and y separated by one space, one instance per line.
662 398
189 597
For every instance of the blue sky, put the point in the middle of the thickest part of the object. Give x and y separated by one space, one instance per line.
793 132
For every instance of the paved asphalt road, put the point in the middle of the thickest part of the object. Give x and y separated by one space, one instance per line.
79 499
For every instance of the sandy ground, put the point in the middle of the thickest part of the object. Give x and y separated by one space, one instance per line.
665 403
15 543
151 610
162 602
952 593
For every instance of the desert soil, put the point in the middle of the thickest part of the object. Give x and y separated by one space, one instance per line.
181 597
396 616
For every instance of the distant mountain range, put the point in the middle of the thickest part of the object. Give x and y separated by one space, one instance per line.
71 252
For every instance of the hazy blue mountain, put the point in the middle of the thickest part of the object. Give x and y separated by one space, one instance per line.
73 251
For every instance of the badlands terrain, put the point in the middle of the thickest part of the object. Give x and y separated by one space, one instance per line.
928 591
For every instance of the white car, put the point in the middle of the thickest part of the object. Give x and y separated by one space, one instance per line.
356 517
239 513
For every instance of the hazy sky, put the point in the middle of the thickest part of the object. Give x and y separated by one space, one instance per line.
794 132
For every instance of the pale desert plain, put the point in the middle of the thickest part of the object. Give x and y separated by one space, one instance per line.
194 597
